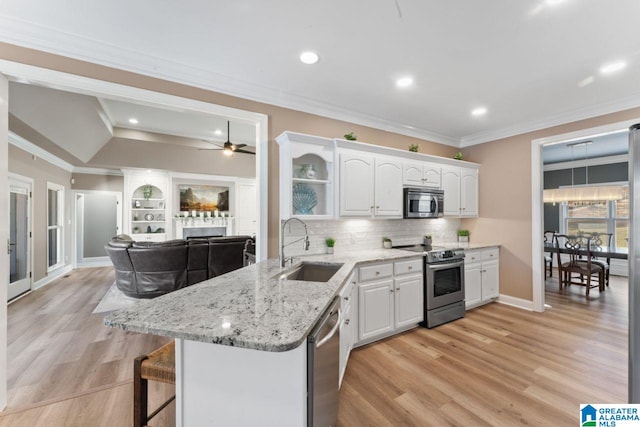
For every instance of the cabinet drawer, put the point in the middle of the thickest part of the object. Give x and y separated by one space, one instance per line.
377 271
489 254
472 256
407 267
346 292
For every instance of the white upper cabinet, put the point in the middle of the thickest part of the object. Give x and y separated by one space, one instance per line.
421 174
460 187
451 188
469 192
356 184
370 185
388 187
306 176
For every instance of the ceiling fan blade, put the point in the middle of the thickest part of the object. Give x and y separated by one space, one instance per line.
238 146
245 152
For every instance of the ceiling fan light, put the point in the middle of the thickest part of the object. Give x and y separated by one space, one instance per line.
227 151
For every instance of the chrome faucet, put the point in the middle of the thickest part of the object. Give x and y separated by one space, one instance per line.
283 259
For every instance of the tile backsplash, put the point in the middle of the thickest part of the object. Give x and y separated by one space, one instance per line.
354 234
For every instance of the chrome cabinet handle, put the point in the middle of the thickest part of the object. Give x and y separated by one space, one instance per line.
346 321
346 298
377 273
398 289
410 267
391 290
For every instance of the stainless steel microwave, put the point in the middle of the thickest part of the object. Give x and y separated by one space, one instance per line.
423 203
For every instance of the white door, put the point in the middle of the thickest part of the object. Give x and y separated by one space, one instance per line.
246 211
451 188
356 185
409 301
469 192
375 303
388 188
19 238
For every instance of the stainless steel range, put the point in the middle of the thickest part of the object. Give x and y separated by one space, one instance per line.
443 283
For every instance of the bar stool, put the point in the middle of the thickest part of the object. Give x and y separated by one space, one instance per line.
159 365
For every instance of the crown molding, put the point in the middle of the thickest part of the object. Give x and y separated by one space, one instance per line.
631 101
21 143
47 39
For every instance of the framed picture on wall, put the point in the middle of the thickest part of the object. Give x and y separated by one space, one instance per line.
203 198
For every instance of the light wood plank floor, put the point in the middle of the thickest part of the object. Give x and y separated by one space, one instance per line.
499 366
65 368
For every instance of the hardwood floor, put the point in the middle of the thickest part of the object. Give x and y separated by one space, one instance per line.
65 367
499 366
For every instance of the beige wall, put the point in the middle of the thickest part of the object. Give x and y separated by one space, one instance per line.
84 181
22 163
280 119
505 199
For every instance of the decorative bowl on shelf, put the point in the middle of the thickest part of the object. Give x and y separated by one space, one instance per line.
304 199
148 217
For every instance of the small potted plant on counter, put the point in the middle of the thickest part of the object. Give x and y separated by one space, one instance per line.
427 240
386 243
330 241
463 236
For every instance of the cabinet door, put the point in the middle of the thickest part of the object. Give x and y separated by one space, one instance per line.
409 300
432 175
412 174
388 187
375 306
490 280
451 187
356 185
472 284
469 192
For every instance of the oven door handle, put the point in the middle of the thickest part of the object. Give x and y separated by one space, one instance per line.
445 264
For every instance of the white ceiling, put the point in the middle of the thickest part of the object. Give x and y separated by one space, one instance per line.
530 63
82 124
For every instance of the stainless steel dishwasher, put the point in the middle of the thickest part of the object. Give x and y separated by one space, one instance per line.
323 369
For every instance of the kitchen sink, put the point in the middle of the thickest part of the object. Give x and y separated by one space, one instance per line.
314 271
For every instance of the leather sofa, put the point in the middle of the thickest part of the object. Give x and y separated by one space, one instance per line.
151 269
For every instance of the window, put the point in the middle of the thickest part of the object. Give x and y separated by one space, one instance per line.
598 217
55 224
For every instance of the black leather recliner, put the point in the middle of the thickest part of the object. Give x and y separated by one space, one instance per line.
151 269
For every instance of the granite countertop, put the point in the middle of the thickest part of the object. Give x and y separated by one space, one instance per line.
469 245
250 307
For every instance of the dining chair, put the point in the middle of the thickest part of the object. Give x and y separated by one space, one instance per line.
578 248
548 259
600 242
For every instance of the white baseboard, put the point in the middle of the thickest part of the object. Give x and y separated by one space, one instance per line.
516 302
52 276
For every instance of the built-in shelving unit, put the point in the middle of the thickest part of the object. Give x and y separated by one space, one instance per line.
146 206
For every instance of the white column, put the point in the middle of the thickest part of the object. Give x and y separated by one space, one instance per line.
4 233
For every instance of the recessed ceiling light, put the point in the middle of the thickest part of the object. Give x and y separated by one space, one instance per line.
309 57
217 132
480 111
612 67
404 82
133 121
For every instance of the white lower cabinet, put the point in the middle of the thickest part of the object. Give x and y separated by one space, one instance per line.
390 298
481 276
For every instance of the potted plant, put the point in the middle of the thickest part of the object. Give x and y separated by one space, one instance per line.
330 241
463 236
147 191
350 136
414 148
458 155
386 243
427 240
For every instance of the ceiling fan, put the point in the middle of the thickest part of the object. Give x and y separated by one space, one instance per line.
229 148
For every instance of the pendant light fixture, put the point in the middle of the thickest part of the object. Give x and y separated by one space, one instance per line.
586 192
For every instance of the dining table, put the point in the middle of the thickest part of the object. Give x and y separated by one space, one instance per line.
601 252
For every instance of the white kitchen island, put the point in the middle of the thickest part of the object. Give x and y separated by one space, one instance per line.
241 357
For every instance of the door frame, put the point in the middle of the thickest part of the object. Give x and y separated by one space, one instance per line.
537 207
14 177
77 240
